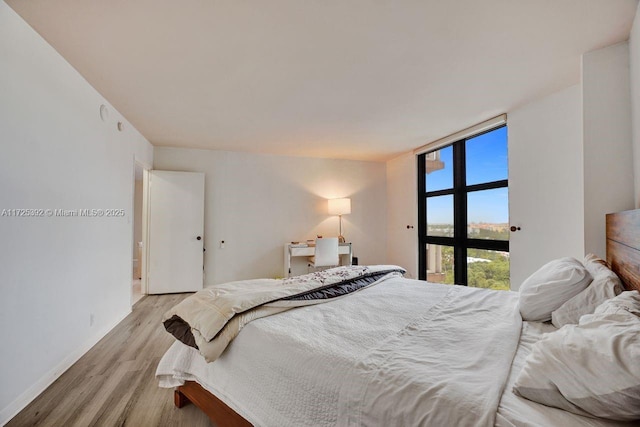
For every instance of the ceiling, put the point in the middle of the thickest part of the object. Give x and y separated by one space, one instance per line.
356 79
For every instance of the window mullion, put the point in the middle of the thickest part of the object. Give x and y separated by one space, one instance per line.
460 213
422 218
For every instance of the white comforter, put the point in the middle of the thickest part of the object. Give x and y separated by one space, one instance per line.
215 315
378 357
446 368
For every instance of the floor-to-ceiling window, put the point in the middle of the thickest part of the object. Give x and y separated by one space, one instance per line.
463 211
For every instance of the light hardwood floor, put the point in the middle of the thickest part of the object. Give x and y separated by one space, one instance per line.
114 383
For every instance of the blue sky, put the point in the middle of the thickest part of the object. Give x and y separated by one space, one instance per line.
486 162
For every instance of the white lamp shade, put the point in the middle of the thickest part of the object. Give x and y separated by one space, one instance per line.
339 206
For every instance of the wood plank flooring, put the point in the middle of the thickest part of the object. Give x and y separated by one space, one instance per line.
114 383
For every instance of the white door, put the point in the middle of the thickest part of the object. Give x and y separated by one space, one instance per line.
545 183
176 226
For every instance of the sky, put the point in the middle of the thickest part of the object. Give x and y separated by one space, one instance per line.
486 162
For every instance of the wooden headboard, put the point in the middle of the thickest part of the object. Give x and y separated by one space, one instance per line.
623 246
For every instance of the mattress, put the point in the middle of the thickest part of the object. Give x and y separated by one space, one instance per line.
289 369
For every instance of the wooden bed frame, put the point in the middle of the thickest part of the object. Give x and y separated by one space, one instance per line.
623 257
216 409
623 246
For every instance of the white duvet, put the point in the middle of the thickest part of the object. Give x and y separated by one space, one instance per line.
297 368
446 368
400 353
293 369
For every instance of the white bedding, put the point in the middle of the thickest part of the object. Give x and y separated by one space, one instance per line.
319 344
515 411
448 367
288 369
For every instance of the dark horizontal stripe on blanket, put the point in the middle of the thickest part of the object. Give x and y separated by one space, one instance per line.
337 289
181 330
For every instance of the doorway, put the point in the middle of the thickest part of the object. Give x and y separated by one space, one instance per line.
175 250
137 291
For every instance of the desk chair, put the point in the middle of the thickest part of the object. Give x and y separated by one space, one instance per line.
326 253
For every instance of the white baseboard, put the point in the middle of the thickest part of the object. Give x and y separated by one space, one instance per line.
7 413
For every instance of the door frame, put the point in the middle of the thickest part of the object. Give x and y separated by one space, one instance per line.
144 224
144 284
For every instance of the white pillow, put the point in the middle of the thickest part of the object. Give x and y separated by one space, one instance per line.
551 286
596 265
591 368
605 285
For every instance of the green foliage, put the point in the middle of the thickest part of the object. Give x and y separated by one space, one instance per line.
447 264
489 275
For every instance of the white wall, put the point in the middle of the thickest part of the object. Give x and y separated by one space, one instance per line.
634 59
608 154
256 203
56 273
546 195
402 210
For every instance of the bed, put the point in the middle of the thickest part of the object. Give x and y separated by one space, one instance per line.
399 352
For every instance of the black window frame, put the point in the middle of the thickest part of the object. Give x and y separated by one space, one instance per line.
460 241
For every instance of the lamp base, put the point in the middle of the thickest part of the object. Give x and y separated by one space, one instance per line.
341 239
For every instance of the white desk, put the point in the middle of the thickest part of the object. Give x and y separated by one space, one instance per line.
294 267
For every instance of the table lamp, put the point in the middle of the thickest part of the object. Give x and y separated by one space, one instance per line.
340 207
